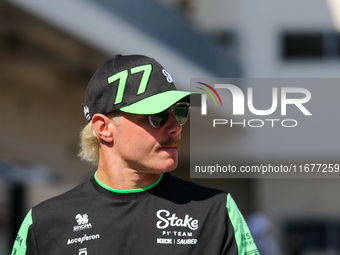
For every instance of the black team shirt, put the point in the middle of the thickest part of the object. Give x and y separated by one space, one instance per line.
172 216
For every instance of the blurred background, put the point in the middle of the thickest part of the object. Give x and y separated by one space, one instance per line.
50 48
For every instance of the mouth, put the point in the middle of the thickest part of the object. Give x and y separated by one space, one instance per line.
169 151
172 143
169 147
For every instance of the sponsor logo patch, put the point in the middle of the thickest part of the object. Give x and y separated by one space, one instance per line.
82 239
83 222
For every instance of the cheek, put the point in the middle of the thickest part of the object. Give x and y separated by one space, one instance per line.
137 140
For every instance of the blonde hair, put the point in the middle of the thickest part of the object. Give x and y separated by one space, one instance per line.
89 142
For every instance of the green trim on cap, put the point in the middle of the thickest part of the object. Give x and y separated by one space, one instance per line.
127 190
156 103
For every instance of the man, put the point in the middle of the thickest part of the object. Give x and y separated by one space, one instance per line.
132 204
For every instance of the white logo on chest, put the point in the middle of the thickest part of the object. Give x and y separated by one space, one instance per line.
83 222
174 221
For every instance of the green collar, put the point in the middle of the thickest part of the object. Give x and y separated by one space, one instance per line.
127 190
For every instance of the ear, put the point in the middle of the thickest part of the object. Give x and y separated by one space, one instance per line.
101 124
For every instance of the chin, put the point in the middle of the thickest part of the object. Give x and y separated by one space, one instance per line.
169 168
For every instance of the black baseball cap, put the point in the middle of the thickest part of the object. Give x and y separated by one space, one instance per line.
134 84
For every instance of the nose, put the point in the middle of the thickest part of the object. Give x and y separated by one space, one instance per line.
172 126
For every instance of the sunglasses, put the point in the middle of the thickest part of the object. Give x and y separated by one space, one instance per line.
180 111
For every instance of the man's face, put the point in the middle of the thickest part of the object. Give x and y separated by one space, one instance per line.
144 148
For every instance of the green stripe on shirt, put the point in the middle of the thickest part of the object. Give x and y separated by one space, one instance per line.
244 240
20 245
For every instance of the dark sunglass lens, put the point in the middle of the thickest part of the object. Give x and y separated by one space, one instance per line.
181 113
159 119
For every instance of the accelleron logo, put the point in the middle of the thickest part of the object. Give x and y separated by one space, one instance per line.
82 239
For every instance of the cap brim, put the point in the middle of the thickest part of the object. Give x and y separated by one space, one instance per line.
157 103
